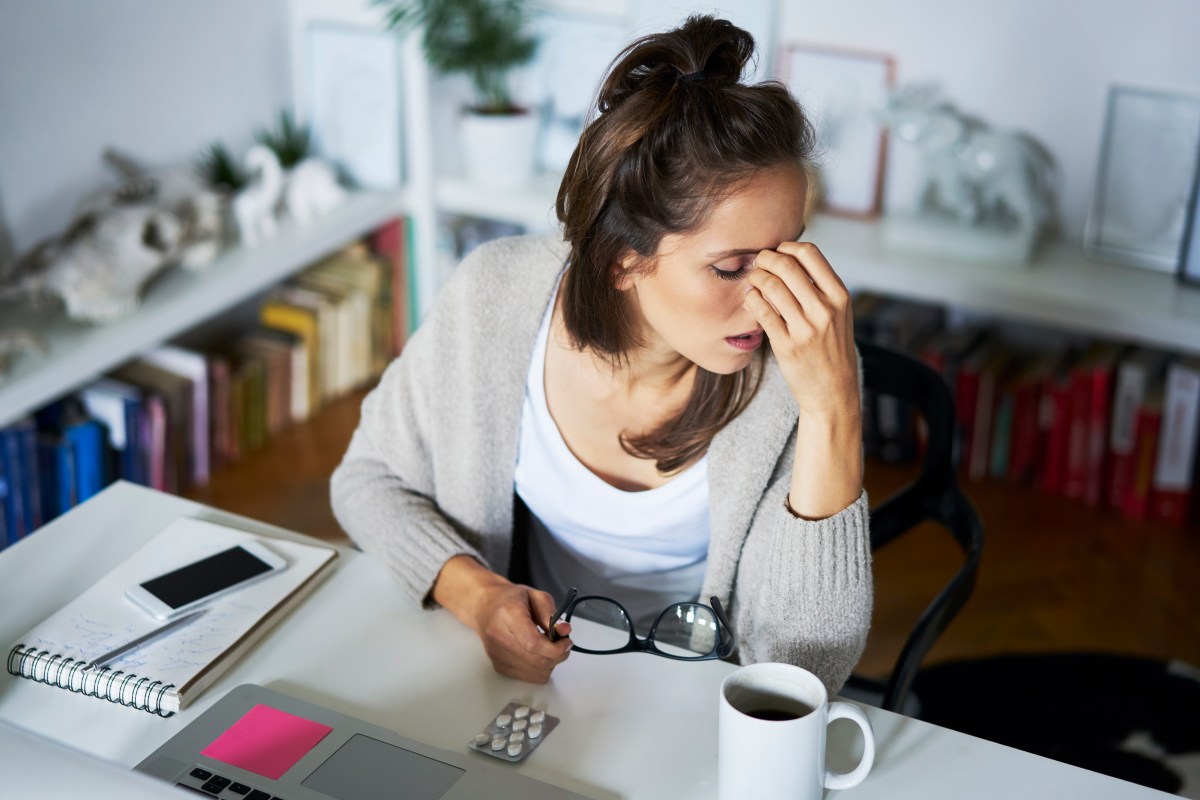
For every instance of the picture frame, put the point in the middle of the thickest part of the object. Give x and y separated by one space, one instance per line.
840 89
1189 248
1148 160
354 103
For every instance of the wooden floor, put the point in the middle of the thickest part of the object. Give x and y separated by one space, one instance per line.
1055 575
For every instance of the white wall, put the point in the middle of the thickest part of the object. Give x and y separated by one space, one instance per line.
161 79
158 80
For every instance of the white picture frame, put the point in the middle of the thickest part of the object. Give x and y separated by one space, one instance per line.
841 89
1189 248
1147 161
355 108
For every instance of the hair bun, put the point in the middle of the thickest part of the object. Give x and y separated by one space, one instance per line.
703 49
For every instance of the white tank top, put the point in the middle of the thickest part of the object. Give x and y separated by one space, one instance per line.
645 549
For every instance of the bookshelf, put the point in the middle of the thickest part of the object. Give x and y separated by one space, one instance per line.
175 302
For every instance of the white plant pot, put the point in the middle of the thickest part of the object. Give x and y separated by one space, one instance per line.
498 149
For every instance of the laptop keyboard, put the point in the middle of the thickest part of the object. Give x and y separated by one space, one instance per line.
204 782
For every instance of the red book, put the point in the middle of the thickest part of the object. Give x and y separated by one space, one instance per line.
1054 423
390 240
1175 464
1102 376
1134 375
1136 501
1026 448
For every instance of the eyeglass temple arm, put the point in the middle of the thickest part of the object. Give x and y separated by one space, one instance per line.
724 620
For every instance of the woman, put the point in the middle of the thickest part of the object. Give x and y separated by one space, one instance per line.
618 385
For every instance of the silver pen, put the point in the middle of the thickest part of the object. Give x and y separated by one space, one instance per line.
112 655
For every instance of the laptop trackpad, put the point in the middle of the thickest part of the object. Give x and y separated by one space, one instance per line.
368 769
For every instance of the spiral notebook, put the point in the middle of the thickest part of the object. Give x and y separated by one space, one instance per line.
164 675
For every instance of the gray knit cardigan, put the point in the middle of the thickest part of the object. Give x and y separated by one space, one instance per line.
429 473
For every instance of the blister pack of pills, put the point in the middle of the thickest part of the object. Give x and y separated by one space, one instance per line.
514 732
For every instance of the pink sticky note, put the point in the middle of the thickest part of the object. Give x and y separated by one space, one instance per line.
267 741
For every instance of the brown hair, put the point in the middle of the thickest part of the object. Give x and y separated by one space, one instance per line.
675 133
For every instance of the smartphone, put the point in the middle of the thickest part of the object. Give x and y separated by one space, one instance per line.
181 590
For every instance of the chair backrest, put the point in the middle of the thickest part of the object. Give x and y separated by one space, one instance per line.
933 496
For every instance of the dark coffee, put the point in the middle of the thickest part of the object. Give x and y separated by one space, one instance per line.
776 714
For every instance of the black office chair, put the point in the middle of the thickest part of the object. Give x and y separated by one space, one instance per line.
933 496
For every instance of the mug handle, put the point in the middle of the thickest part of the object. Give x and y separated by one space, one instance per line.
846 780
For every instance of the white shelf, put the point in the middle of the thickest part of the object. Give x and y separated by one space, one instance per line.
175 302
1062 288
531 206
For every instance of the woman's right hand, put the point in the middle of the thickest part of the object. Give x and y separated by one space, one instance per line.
506 616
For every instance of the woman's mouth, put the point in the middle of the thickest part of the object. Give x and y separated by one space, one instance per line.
746 341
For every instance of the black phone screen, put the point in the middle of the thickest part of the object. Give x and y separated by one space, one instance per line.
207 576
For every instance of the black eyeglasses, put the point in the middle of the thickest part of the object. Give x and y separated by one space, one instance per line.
684 631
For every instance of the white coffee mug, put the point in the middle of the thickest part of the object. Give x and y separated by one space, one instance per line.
772 726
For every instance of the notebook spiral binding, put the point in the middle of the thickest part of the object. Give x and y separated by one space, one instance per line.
105 683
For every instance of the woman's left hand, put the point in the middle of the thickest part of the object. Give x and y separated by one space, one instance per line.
805 310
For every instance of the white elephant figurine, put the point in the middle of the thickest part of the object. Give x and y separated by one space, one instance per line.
311 190
970 171
254 206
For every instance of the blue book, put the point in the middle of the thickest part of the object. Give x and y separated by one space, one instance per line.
118 405
14 502
31 493
4 540
88 439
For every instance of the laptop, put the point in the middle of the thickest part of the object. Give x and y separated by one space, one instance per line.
259 744
52 769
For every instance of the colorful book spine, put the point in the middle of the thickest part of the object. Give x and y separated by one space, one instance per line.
1174 469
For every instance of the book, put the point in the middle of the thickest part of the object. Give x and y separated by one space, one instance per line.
194 367
176 394
1090 401
276 358
1175 464
326 345
1054 423
390 241
118 406
1136 501
989 377
166 674
1026 439
277 313
1133 378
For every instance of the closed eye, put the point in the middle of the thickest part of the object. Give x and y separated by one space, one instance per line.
731 269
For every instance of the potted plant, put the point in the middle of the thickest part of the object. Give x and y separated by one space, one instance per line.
484 40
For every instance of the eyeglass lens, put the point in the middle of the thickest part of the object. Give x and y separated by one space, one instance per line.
616 626
688 627
684 629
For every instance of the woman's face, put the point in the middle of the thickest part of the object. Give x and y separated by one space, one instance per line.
690 298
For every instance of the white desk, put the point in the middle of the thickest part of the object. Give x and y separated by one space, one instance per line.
633 725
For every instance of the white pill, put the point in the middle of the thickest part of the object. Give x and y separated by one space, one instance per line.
516 737
514 749
520 724
537 716
504 720
482 738
498 742
535 730
521 713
